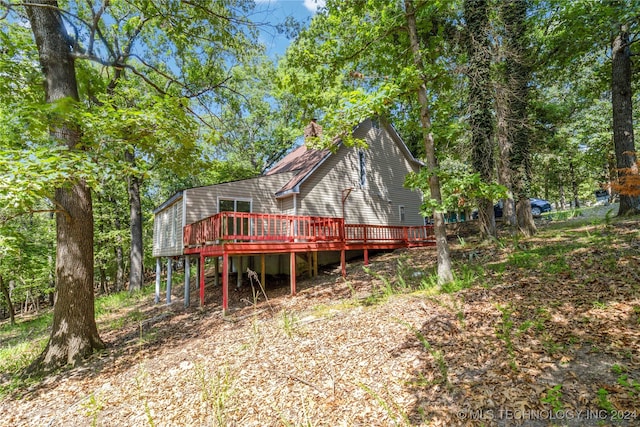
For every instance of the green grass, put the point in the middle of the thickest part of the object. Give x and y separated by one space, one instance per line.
20 345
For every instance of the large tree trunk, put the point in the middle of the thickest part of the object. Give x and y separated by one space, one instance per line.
440 229
480 112
504 148
518 75
74 334
621 100
135 224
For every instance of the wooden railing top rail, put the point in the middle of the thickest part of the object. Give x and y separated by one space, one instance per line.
258 227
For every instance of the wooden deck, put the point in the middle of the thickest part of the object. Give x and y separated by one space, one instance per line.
239 233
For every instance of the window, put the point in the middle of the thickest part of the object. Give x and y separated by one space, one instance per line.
234 205
239 227
401 214
363 170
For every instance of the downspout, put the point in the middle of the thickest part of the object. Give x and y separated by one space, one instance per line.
295 213
345 194
295 204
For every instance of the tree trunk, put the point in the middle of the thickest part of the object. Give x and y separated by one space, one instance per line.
119 285
74 334
504 148
440 229
621 100
518 75
480 112
574 185
7 297
136 254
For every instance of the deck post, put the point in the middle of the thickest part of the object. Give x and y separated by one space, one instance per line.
201 277
315 264
262 271
158 279
292 272
343 263
187 281
225 283
366 256
239 271
310 264
216 271
169 274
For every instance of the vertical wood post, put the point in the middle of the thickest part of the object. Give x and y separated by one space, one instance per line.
158 278
201 273
216 271
366 256
315 264
239 271
187 281
169 277
292 272
263 274
225 283
343 263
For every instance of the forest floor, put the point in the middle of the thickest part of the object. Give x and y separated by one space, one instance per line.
536 332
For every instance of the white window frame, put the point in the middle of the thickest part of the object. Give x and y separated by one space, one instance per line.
402 214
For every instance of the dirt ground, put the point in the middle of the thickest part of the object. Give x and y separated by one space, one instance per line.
521 346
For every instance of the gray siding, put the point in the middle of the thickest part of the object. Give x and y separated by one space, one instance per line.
379 200
286 205
202 202
167 230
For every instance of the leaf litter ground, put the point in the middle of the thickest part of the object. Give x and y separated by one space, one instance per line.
546 331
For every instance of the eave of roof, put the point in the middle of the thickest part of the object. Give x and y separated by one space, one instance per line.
169 202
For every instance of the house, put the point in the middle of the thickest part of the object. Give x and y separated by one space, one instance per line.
320 203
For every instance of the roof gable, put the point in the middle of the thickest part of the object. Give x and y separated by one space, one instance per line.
305 160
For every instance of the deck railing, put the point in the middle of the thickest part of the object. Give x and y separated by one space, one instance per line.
388 233
256 227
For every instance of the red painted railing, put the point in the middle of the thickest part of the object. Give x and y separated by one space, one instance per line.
388 233
256 227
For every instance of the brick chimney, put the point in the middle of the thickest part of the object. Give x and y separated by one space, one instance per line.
312 130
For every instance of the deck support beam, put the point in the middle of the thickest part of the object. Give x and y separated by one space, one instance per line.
225 283
169 278
187 281
202 278
343 263
366 256
216 271
158 279
315 264
239 271
292 272
263 271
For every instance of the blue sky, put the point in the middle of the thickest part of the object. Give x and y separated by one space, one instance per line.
275 12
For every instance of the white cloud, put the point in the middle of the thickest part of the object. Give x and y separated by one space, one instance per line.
313 5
